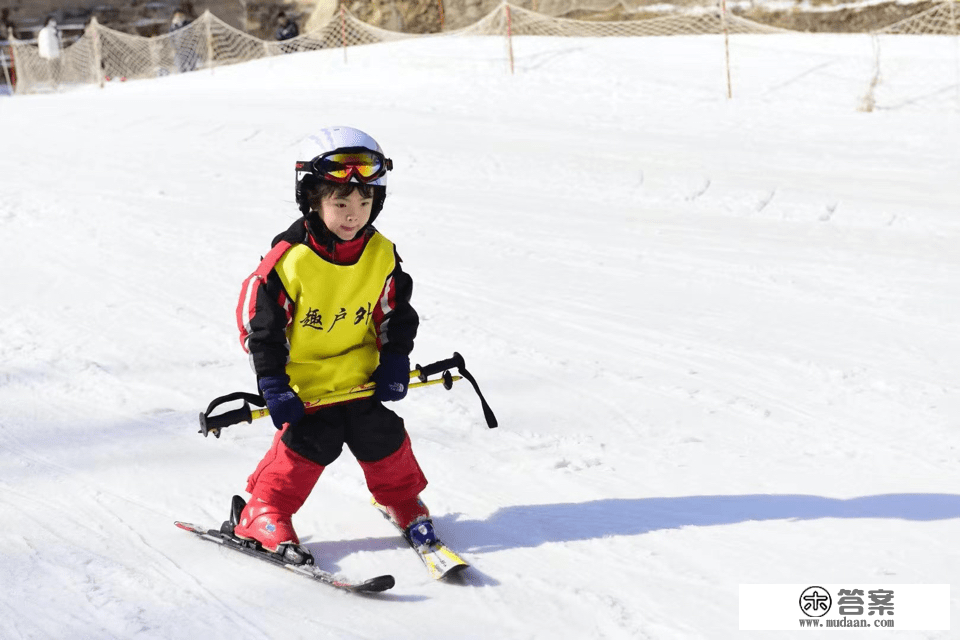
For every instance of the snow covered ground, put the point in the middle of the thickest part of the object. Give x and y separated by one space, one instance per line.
722 337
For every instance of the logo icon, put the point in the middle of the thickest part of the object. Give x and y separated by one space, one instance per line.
815 602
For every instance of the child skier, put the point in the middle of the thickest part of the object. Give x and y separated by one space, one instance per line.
329 309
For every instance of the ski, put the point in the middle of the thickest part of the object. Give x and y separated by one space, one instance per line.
302 564
441 561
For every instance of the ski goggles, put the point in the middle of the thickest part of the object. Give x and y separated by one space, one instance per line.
342 165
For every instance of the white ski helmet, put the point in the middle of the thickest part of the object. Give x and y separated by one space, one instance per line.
341 155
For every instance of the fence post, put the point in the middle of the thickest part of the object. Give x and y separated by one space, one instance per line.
869 100
208 18
726 45
509 35
154 48
94 32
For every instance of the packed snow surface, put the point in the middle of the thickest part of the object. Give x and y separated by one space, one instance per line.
722 336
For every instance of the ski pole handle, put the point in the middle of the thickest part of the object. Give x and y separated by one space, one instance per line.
424 372
213 424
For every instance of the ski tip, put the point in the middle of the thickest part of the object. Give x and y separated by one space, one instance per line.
185 525
454 571
376 585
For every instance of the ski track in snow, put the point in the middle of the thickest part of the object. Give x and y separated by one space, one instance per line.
720 337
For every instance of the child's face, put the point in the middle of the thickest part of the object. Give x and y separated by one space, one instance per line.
345 216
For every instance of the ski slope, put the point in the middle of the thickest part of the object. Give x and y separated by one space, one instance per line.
722 337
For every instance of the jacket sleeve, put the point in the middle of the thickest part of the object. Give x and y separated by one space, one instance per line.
263 313
395 320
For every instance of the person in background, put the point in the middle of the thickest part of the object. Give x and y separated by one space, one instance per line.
179 20
6 24
7 31
49 40
49 46
286 28
183 54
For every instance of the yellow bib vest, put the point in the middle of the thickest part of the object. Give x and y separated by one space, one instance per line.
332 337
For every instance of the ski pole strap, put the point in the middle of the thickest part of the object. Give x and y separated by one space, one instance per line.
487 411
457 361
213 424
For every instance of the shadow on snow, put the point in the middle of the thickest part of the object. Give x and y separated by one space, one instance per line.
533 525
524 526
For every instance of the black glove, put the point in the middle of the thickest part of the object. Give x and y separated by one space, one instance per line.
284 405
392 376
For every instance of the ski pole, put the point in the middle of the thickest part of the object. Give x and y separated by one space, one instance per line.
213 424
366 390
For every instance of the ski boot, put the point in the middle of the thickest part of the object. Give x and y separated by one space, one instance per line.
421 534
266 526
412 518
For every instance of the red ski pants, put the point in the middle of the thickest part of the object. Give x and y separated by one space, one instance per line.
376 437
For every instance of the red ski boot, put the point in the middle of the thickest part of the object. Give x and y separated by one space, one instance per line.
266 524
